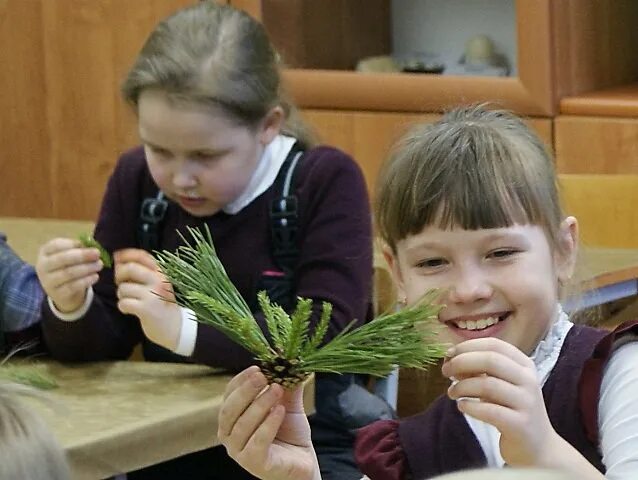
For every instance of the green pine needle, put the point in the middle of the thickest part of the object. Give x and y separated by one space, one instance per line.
406 338
88 241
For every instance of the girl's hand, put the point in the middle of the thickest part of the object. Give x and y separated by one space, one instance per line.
66 270
504 380
143 291
266 430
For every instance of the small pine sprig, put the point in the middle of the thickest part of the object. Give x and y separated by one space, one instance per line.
31 374
88 241
404 338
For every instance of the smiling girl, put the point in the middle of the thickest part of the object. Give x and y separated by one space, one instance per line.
470 205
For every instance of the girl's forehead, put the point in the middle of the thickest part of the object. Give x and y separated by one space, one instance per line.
458 237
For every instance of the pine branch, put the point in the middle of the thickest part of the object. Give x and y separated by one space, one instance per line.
406 338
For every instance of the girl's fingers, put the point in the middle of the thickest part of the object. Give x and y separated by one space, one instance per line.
250 420
134 273
70 274
134 291
240 378
491 344
488 363
293 400
238 400
68 258
135 255
503 418
58 245
490 390
256 449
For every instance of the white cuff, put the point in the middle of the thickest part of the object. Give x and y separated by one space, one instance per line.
187 334
77 314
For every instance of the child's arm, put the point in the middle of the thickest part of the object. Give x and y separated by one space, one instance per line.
504 379
618 413
266 429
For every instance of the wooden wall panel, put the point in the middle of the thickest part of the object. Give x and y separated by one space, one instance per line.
368 136
63 123
89 46
25 179
596 145
605 206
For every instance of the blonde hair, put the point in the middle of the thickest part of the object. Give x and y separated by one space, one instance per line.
474 168
28 449
216 56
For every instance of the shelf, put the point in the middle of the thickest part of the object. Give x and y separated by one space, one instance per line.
403 92
612 102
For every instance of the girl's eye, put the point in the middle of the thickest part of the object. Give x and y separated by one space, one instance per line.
431 263
502 253
160 152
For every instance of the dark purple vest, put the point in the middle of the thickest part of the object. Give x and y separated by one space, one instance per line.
439 440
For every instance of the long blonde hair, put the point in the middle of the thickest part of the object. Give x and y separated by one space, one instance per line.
28 449
215 55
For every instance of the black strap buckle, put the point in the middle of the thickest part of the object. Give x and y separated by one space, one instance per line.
152 212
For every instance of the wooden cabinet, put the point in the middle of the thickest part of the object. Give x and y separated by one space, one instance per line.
563 47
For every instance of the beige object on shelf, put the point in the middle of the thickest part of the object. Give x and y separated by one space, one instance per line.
479 50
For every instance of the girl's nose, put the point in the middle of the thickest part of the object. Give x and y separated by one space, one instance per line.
470 285
185 176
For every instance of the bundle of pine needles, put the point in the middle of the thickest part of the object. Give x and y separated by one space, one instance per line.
32 374
403 338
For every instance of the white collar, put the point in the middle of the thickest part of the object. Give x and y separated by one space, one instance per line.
265 174
546 353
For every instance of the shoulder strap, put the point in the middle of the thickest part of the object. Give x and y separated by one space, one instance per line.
152 212
284 213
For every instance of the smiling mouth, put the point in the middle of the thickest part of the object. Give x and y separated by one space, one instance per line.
480 324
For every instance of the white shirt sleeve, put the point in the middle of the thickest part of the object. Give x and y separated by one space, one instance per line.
618 414
76 315
187 334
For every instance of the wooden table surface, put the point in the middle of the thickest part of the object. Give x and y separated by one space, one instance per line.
114 417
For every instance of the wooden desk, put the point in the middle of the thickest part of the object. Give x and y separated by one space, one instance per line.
607 274
27 235
114 417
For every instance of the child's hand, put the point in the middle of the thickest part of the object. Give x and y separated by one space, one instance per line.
66 270
505 381
143 291
267 431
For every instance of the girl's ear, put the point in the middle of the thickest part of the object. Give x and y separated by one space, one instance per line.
271 125
567 251
395 270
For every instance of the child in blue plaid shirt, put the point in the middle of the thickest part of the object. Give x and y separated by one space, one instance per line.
20 298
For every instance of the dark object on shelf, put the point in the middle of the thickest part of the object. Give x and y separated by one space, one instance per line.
328 34
423 67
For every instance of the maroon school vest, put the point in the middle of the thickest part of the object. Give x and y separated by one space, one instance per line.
440 441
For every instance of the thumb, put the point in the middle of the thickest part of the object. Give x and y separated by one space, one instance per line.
293 399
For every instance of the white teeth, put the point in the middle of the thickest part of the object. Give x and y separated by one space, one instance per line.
477 324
